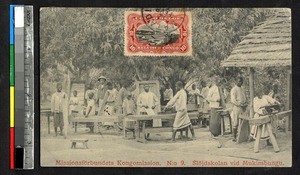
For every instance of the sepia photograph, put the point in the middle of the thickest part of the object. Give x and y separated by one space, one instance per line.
165 87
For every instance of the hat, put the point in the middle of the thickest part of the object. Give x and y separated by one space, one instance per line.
101 77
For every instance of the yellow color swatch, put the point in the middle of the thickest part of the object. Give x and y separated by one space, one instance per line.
12 106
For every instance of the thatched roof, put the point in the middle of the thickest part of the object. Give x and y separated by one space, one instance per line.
267 45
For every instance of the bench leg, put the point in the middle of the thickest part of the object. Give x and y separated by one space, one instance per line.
230 123
272 137
138 130
222 125
142 134
257 139
48 120
287 122
73 145
75 126
187 132
143 139
85 145
124 130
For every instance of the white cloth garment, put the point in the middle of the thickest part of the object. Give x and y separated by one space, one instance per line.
213 97
194 96
204 106
238 98
258 104
91 104
179 101
74 101
149 99
168 94
58 101
110 98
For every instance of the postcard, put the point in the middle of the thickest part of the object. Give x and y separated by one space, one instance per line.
165 87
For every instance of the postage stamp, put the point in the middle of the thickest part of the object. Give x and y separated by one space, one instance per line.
158 33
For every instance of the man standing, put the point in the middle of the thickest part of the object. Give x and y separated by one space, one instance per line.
214 99
147 101
87 92
194 95
122 94
168 94
101 90
182 119
238 100
203 102
58 102
73 102
108 103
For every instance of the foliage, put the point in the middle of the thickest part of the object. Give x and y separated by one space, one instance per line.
89 39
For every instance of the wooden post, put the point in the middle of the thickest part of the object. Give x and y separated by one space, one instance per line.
251 89
289 98
257 139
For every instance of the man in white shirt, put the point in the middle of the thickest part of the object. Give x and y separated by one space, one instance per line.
203 107
147 101
101 89
238 100
73 102
90 111
182 119
58 102
168 94
194 95
214 98
108 104
87 92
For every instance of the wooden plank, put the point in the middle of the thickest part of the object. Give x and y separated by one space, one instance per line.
95 119
282 114
158 130
243 131
289 100
193 115
251 89
79 140
259 121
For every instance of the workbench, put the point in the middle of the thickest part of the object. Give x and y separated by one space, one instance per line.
93 119
141 120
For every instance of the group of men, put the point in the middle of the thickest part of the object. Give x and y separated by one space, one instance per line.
107 100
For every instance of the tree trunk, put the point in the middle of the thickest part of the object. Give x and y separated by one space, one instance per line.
137 71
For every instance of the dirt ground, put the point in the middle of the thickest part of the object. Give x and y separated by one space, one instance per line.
111 149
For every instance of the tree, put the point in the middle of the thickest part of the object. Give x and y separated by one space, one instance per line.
92 38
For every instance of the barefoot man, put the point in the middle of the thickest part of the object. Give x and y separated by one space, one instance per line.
57 107
182 119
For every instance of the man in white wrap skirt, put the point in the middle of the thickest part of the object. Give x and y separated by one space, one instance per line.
182 119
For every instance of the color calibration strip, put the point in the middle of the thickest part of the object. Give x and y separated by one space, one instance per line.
12 89
21 87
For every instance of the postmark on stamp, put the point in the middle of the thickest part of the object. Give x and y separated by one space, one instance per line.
158 33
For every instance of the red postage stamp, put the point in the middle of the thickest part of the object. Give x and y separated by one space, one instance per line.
158 33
